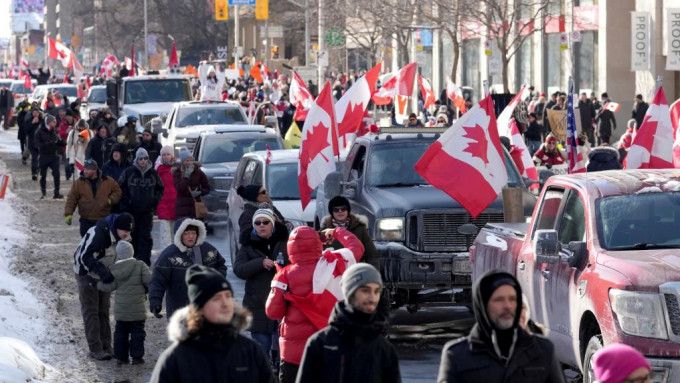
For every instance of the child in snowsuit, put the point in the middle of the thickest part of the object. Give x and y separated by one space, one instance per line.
132 278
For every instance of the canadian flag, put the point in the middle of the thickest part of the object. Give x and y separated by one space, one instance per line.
612 106
387 91
107 65
503 121
174 61
507 126
24 64
466 162
426 91
574 155
59 51
300 97
317 145
652 146
352 106
454 93
401 84
27 80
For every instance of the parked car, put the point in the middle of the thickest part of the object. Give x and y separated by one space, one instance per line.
188 119
96 99
40 91
600 264
281 180
416 227
19 90
219 153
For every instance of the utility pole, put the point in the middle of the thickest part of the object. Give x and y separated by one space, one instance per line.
146 38
305 7
237 38
322 46
266 42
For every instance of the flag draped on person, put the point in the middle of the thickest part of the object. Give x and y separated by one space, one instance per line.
575 163
317 146
300 97
353 105
652 146
454 94
467 162
426 91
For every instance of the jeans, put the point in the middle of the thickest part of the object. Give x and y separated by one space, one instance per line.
128 340
85 225
268 342
288 372
52 163
94 306
141 236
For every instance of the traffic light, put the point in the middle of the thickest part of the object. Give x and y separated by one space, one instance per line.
275 51
261 9
221 10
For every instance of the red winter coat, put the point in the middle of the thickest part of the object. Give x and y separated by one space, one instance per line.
166 208
304 251
65 128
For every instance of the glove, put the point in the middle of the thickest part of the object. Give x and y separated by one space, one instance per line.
196 193
156 311
188 171
106 275
68 219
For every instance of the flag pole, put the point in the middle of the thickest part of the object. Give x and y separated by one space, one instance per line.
659 82
485 85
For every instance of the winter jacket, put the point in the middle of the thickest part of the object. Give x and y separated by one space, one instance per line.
587 112
21 111
296 327
248 266
152 147
99 149
142 189
65 128
6 99
245 220
210 89
171 266
166 208
216 353
639 112
358 225
542 157
533 132
351 349
131 282
47 142
127 136
90 205
114 168
76 145
476 357
184 203
91 255
605 122
603 158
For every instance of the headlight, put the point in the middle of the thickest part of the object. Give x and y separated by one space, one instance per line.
389 229
639 314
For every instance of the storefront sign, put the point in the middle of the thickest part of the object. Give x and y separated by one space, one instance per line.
640 41
673 39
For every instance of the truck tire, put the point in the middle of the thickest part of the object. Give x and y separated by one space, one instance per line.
594 345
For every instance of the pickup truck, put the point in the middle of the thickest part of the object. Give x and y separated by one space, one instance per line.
599 263
416 228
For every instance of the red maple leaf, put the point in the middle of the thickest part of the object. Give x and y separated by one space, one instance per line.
478 148
352 120
645 136
316 141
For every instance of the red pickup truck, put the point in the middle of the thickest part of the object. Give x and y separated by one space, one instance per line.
600 264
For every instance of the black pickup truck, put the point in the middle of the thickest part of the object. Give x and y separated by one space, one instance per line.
415 227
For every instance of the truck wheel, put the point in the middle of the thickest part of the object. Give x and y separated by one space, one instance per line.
594 345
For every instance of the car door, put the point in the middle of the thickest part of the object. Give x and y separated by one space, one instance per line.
530 273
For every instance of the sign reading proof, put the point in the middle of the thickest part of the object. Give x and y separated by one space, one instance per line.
640 40
673 38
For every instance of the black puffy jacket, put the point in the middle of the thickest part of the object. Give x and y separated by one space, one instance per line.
248 266
142 189
46 141
603 158
350 349
99 149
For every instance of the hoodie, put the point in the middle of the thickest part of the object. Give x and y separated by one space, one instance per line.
142 188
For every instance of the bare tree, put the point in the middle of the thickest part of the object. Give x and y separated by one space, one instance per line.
445 15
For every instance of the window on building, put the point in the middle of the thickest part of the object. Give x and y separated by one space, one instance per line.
523 60
586 61
552 62
471 68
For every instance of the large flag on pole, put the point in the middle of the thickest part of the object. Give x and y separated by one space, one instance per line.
455 94
174 60
503 121
58 51
352 106
300 97
399 85
575 163
652 146
426 91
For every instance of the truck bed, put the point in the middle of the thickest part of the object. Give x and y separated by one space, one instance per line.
496 247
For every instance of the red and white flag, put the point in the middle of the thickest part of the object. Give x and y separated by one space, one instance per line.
107 65
675 121
652 146
59 51
407 76
300 97
352 106
174 60
27 80
454 93
426 91
387 91
528 167
400 84
24 64
467 162
503 121
317 145
612 106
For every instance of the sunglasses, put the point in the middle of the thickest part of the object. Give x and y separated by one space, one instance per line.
339 209
261 223
263 192
143 158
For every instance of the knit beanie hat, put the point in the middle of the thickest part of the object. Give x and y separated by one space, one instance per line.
338 201
141 152
615 362
49 118
358 275
184 153
204 282
91 164
263 213
124 221
124 250
167 149
249 193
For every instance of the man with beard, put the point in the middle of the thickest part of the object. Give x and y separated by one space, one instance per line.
498 349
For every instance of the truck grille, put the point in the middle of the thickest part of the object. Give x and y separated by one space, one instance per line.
437 231
670 292
145 118
221 183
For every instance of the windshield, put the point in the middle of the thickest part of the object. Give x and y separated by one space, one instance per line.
19 88
282 182
210 115
6 83
137 92
220 150
639 221
69 91
97 95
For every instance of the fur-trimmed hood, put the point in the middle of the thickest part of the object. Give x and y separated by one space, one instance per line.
607 151
178 331
181 225
354 220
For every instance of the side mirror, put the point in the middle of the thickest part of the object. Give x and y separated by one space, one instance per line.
350 188
547 247
579 255
331 185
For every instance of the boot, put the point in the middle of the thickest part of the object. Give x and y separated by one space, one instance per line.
100 355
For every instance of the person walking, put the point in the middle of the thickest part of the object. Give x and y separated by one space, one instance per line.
260 252
351 348
166 208
142 191
292 299
21 111
497 348
126 134
76 145
117 162
131 282
33 123
6 105
149 143
587 112
207 345
188 248
254 197
66 126
548 154
190 184
49 148
605 122
90 263
621 363
639 109
94 194
100 145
